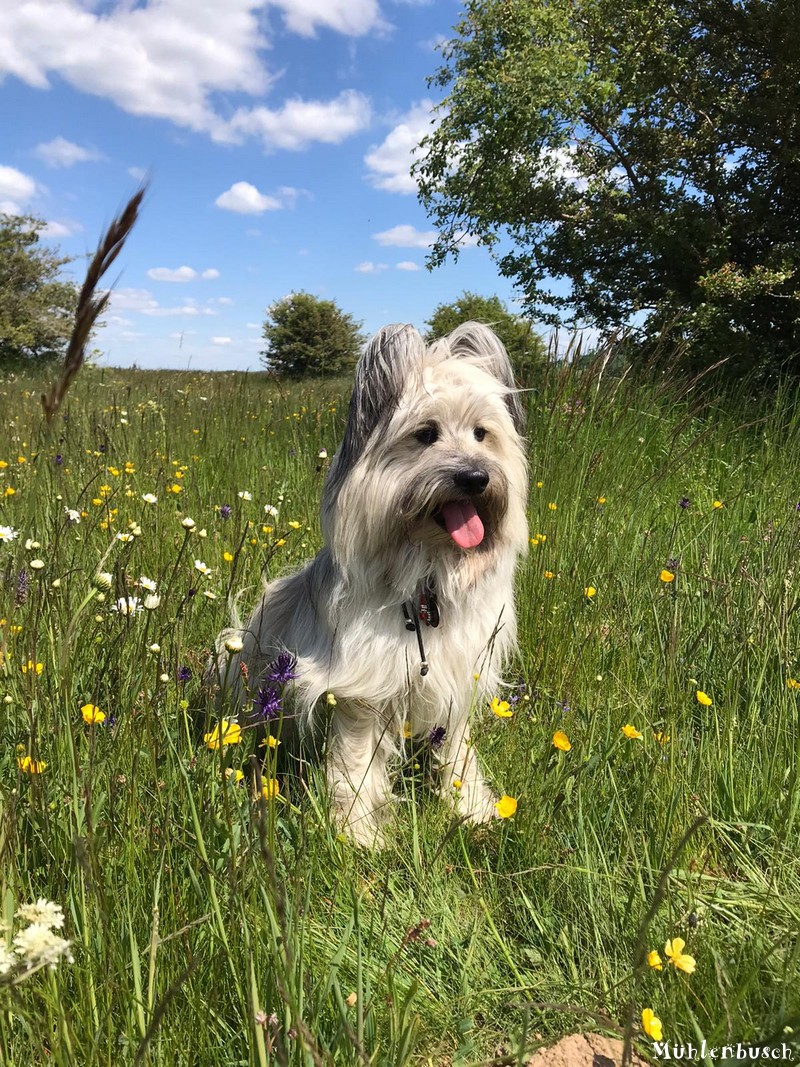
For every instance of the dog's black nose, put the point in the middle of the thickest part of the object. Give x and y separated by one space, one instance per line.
472 480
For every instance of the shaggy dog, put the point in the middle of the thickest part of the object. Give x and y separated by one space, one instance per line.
406 615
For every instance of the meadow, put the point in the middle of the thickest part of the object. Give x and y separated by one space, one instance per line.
650 743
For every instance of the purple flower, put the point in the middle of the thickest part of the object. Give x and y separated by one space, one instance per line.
184 674
436 736
672 564
518 692
282 669
267 703
23 587
684 502
224 511
58 460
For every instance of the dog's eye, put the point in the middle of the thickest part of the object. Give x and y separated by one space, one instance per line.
480 433
428 435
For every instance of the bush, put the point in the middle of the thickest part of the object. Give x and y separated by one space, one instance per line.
309 337
525 348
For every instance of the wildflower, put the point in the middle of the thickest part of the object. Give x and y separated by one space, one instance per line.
436 736
92 715
601 500
457 783
561 741
200 566
270 788
155 648
37 564
234 644
44 912
654 960
23 587
149 498
224 511
38 946
549 575
73 516
677 957
209 595
331 700
280 542
188 524
667 576
148 584
631 732
589 592
234 775
127 605
152 601
267 703
224 733
29 765
505 807
244 495
124 537
792 683
323 453
34 668
102 581
661 737
295 525
704 699
9 491
684 502
271 510
175 488
553 507
501 708
717 505
282 669
184 674
651 1025
228 557
7 534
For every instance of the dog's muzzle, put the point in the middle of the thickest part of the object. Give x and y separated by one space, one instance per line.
471 480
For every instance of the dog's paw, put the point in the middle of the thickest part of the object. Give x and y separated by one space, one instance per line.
474 801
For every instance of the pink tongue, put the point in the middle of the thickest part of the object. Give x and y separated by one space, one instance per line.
463 523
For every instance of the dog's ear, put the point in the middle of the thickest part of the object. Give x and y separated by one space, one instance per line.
393 354
480 345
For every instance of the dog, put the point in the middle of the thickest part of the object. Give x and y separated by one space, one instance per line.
402 623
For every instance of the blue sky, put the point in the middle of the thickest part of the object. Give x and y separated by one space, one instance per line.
277 135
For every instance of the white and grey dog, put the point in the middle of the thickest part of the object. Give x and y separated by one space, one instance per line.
406 615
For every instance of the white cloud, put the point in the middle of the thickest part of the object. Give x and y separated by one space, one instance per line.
189 309
168 59
253 325
210 275
62 153
245 199
407 265
351 17
225 300
143 301
16 189
221 340
405 237
370 268
55 230
165 274
298 123
137 173
390 162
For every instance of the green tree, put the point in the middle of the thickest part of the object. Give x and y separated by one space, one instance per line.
644 152
309 337
525 348
36 305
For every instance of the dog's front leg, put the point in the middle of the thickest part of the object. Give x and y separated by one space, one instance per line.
462 782
358 749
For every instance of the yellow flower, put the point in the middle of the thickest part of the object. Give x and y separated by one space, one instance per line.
601 500
539 485
280 542
552 506
457 783
294 524
662 738
501 708
677 957
651 1025
667 576
654 960
549 574
534 540
718 504
28 765
227 556
631 732
331 699
31 666
589 591
3 464
234 775
406 729
792 683
561 741
92 715
542 537
704 699
9 491
175 488
270 788
505 807
224 733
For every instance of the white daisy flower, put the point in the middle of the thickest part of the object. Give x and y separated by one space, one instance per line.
127 605
148 584
151 601
271 510
7 534
72 515
43 911
149 498
200 566
188 524
244 495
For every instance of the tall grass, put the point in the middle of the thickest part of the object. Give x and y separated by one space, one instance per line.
209 927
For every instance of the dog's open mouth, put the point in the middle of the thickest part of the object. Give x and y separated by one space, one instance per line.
461 520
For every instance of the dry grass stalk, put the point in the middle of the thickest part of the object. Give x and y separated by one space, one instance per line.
91 304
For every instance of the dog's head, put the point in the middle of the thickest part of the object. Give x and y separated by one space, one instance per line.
432 465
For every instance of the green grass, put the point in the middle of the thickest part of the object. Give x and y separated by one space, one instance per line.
211 929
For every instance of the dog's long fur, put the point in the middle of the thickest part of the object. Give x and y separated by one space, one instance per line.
341 615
